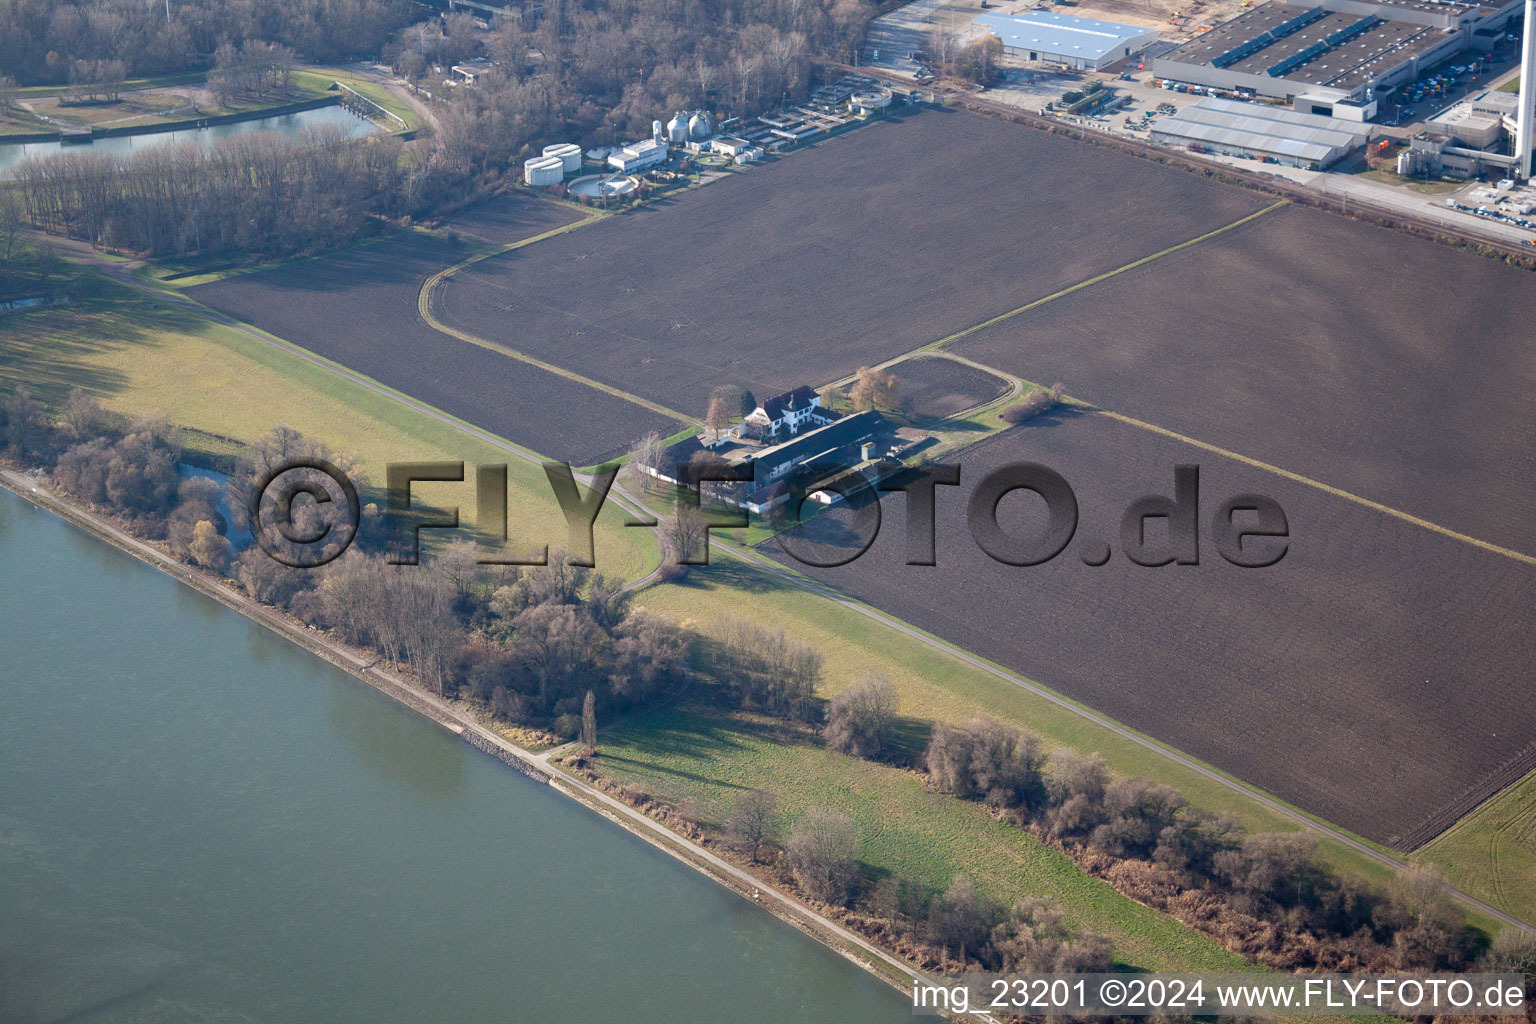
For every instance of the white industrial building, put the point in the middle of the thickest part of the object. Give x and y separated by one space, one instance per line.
638 156
1082 44
1259 132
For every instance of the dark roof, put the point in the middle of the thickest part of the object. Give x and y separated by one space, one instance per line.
778 405
839 434
683 451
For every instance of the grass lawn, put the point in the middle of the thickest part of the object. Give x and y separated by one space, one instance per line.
140 357
1491 853
1433 188
320 79
936 686
691 750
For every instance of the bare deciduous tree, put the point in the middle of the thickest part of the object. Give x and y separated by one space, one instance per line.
752 821
823 852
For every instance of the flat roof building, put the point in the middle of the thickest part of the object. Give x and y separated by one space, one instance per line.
1256 132
1333 56
638 156
1082 44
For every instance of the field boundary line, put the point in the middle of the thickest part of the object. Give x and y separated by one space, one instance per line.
424 308
935 346
1106 276
1337 492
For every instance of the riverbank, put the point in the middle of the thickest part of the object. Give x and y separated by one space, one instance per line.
463 723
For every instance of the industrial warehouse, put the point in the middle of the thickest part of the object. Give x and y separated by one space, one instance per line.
1335 57
1081 44
1257 132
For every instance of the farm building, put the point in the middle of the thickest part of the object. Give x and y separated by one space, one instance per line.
833 446
1334 57
1082 44
1261 133
787 414
829 447
638 156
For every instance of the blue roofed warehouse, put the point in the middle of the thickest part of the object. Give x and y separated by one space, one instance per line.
1082 44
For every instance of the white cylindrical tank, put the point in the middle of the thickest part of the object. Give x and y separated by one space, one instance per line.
567 153
698 126
677 128
656 132
543 170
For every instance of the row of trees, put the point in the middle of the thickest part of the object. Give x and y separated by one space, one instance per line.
126 468
41 41
551 646
1268 893
820 853
256 192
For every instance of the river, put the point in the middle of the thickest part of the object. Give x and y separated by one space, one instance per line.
12 153
200 821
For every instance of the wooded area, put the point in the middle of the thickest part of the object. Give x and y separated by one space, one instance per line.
41 41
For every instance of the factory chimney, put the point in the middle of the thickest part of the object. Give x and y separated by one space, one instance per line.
1523 137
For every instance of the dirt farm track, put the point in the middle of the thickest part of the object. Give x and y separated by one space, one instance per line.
358 307
1381 364
853 252
1377 676
1376 385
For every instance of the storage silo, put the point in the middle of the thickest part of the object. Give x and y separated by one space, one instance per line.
543 170
699 126
677 128
656 132
567 153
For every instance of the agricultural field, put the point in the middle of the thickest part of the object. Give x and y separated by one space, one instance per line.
1376 676
358 308
866 246
141 356
1381 364
933 388
504 219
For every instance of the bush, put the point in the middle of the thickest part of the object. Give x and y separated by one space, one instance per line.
861 721
1036 402
987 759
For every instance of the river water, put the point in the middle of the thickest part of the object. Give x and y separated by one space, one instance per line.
291 125
199 821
